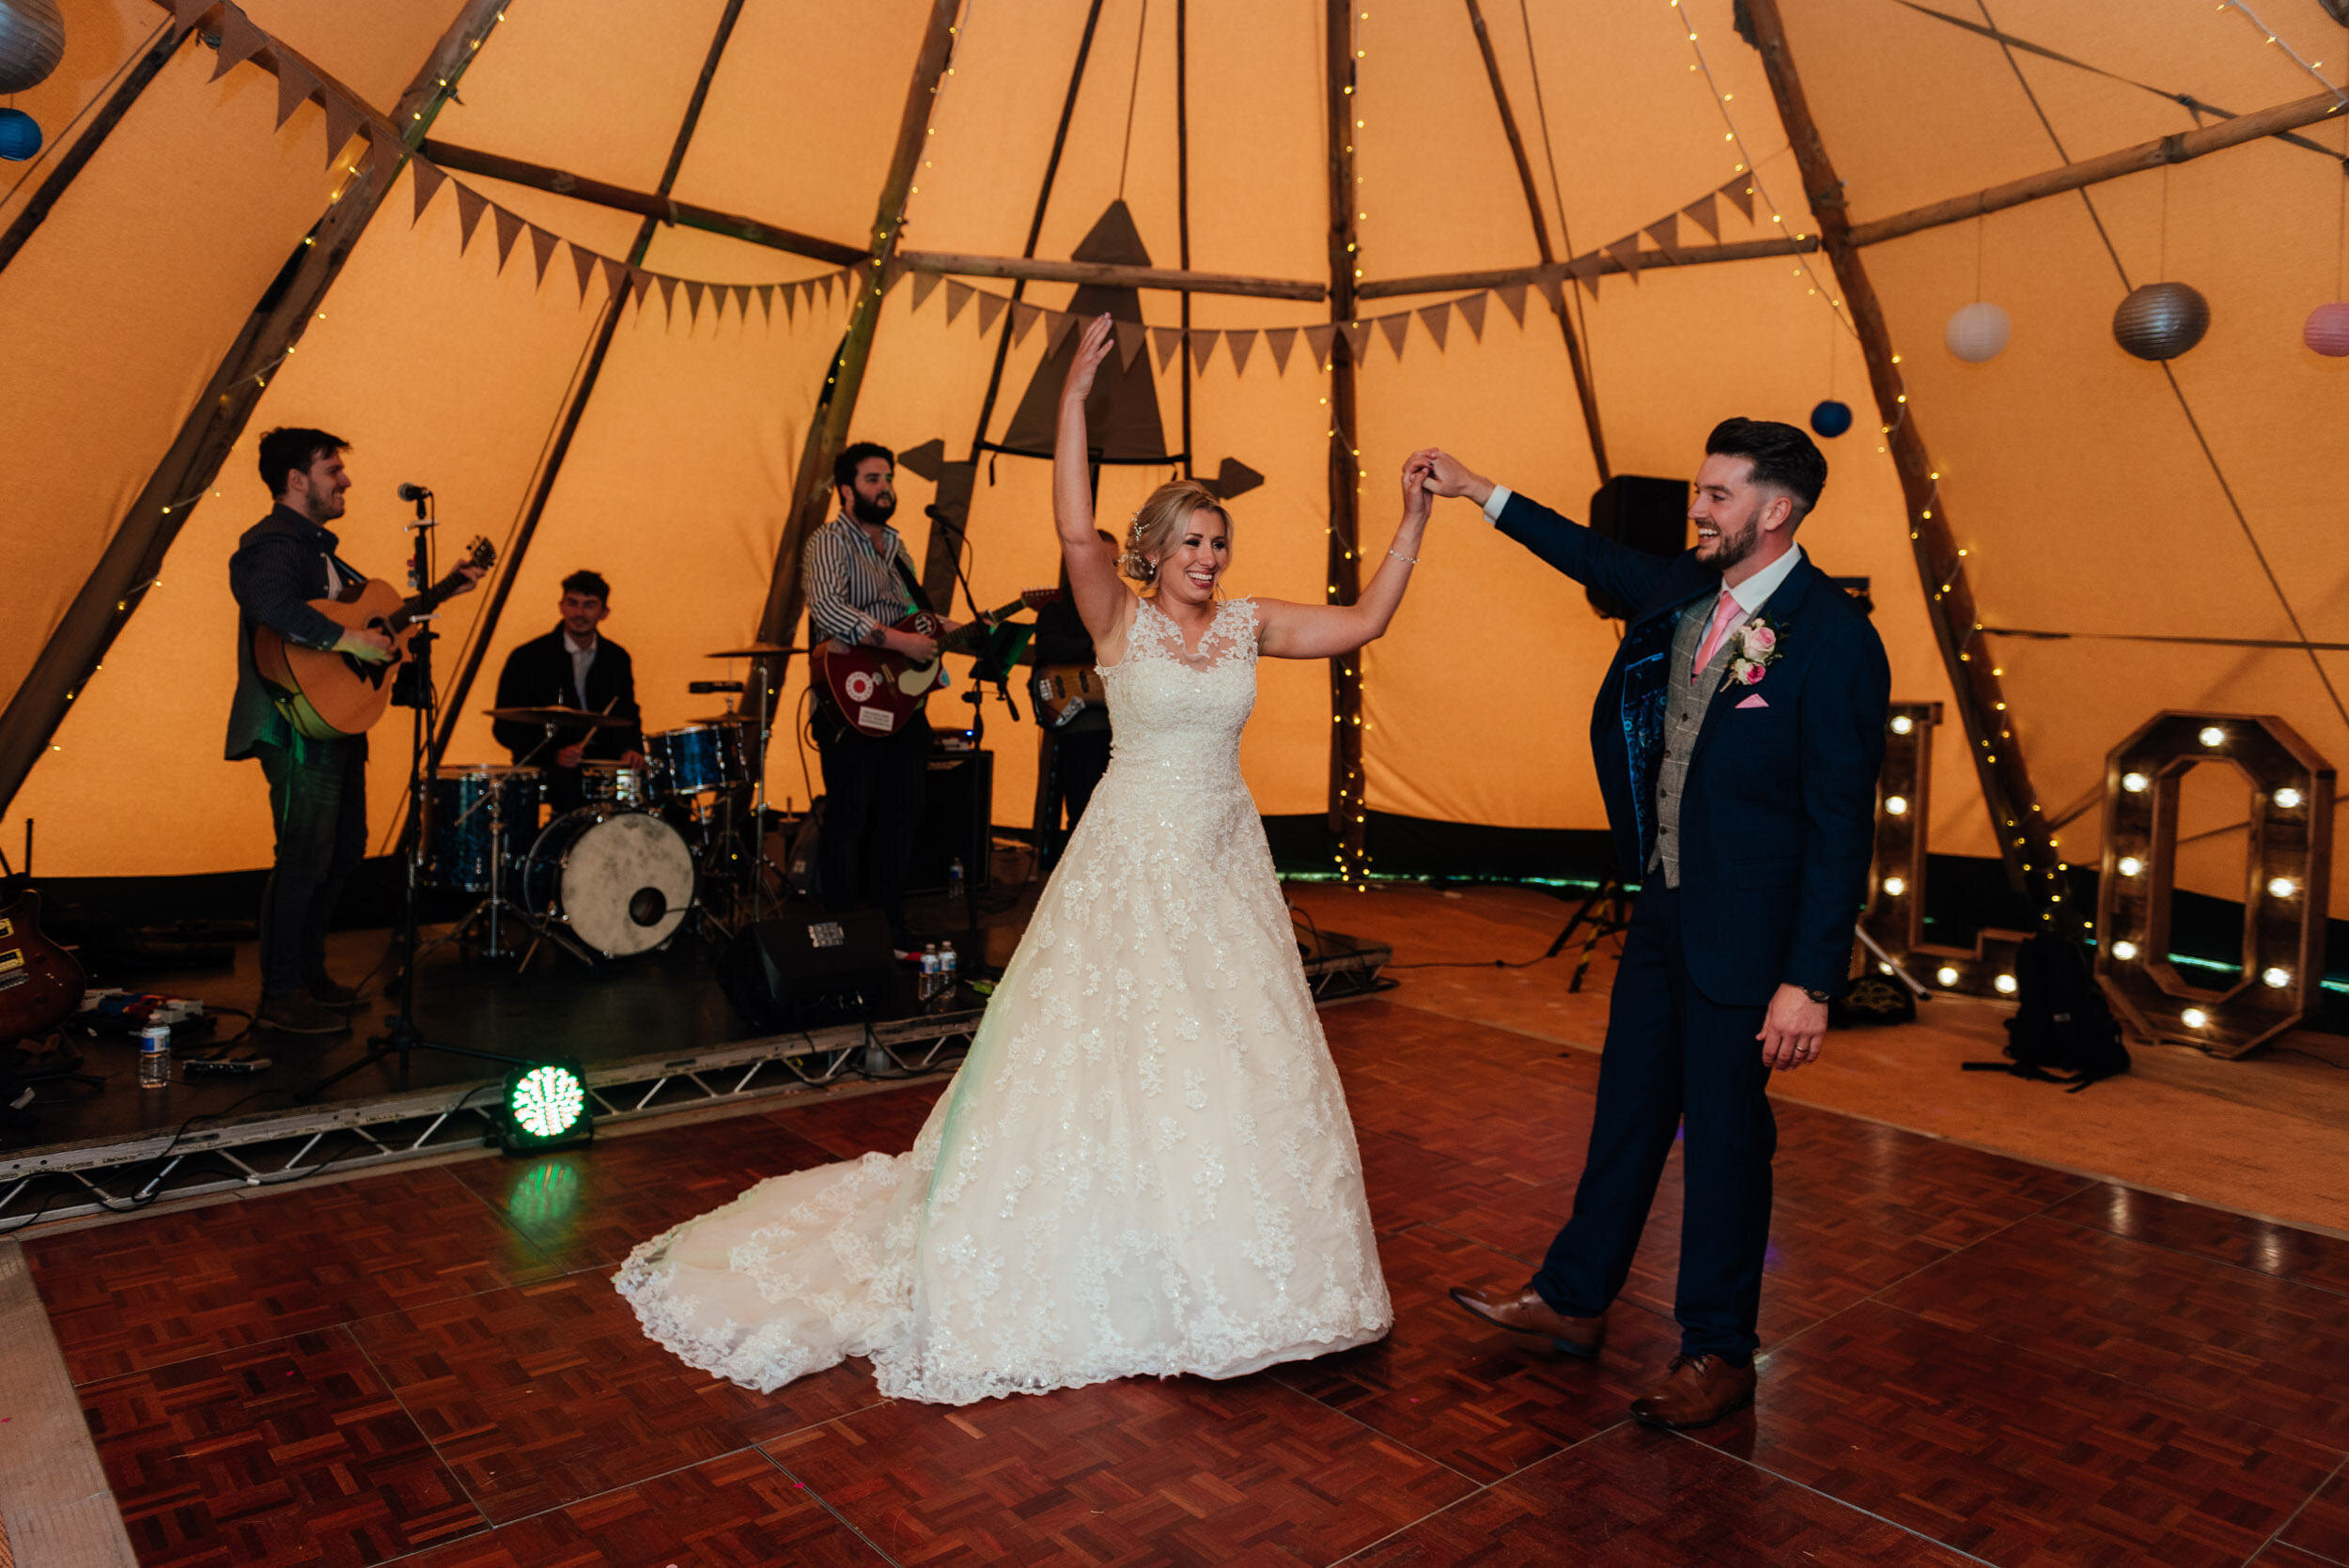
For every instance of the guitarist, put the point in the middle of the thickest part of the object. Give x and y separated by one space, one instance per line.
860 578
317 788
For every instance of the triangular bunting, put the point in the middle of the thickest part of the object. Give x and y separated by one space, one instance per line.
924 284
1357 335
1396 327
1554 288
1586 271
1280 340
1131 335
428 178
1320 339
1056 329
509 228
1436 318
694 300
1023 320
806 288
583 264
1705 212
294 85
1626 253
542 250
471 205
1239 344
1166 342
615 279
639 287
990 307
238 39
668 294
1203 342
1740 190
343 119
830 278
957 297
767 301
1513 300
790 298
1472 309
1665 232
743 302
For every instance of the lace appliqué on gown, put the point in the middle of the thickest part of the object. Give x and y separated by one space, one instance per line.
1143 1166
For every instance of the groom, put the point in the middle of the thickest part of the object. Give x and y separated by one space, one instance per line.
1737 736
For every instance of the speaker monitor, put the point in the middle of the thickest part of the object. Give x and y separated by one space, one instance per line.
1650 515
958 812
806 966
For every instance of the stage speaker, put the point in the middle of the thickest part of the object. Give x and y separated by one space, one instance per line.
1649 515
958 814
806 968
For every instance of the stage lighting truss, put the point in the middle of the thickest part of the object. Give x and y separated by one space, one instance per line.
2287 867
545 1106
1895 915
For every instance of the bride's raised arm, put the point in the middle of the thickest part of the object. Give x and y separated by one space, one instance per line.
1325 631
1103 601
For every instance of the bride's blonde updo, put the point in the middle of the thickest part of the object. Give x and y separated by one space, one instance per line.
1161 521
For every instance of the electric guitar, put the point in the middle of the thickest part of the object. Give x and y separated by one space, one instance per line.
876 690
325 694
40 984
1063 691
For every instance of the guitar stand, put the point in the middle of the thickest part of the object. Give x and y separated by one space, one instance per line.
1606 912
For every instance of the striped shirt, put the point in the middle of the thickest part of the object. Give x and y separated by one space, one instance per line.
852 588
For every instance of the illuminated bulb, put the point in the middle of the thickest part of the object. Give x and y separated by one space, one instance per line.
2288 799
2131 865
1896 804
2124 951
2212 736
2194 1018
1884 968
1945 974
1895 886
2135 782
2005 984
2283 886
2276 979
1903 725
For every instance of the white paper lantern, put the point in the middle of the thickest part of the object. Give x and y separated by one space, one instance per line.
32 41
2161 320
1978 331
2327 330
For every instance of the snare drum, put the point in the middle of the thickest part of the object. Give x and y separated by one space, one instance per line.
698 759
622 880
463 804
614 783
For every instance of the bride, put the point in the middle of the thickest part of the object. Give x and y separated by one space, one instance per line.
1145 1165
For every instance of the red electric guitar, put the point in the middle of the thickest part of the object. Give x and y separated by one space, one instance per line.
40 984
325 694
875 691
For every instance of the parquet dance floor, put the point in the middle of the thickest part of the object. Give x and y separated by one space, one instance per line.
1966 1358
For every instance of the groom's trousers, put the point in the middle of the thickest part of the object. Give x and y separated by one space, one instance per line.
1672 1056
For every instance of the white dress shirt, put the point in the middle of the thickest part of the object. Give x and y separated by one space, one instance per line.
582 655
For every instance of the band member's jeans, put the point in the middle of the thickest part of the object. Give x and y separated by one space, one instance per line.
1673 1058
872 792
317 794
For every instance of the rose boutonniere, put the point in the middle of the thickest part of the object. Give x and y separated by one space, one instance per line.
1753 648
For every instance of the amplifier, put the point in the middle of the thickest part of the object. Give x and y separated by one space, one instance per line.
958 817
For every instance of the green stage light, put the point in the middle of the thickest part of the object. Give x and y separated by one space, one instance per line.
545 1106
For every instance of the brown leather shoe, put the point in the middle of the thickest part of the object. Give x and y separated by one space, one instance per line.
1697 1392
299 1013
1526 1313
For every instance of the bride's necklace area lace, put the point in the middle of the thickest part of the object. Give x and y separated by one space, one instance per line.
1229 633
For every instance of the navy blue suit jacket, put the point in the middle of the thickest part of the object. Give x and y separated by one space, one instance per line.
1778 821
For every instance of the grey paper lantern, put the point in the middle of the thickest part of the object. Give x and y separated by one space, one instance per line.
2161 320
32 41
1978 331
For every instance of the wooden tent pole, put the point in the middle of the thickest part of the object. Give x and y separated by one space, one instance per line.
1583 388
1182 211
2025 838
1344 566
828 431
1033 269
78 153
117 584
607 327
1598 263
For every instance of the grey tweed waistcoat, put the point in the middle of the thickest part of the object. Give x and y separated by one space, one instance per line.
1684 716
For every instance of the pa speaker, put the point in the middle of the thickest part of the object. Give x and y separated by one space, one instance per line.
1649 515
806 968
958 812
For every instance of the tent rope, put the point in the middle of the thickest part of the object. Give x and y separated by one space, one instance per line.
1557 196
1133 95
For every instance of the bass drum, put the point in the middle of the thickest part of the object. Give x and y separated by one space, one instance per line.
622 881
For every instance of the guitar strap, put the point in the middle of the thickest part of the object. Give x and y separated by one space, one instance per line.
915 598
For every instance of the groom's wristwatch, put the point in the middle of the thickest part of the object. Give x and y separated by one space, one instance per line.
1818 996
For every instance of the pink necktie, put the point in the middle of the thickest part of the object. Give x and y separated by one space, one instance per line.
1723 613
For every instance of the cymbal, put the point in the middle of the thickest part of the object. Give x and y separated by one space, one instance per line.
571 718
727 719
754 650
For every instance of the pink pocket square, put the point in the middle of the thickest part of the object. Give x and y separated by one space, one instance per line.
1754 701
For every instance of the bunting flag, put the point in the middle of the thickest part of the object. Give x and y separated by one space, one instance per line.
958 298
742 304
668 294
1241 344
1396 327
693 300
617 281
343 120
1056 330
767 302
1166 342
1436 320
471 205
1554 288
509 228
428 178
1740 190
1586 269
238 42
1357 335
1626 253
1705 212
1203 342
1130 338
1320 339
582 263
1513 300
541 251
1023 320
790 298
294 88
1665 232
1472 309
1280 340
924 285
990 307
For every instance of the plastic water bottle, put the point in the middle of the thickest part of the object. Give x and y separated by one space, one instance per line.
954 877
930 973
155 1056
948 969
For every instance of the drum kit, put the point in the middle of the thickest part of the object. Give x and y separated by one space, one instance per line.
651 844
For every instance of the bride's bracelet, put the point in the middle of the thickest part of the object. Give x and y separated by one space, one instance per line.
1407 560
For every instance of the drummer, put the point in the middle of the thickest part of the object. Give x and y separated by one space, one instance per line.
575 666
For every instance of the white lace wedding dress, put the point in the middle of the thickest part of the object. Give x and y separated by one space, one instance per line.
1143 1166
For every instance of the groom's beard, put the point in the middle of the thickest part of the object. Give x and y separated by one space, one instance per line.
1734 544
874 511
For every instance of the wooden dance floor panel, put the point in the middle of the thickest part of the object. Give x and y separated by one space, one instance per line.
1966 1358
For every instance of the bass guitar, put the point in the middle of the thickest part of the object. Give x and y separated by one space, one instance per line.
876 690
1063 691
325 694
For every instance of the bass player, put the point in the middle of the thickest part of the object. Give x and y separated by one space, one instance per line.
317 788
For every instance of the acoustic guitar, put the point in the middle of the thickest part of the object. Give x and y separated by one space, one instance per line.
40 984
876 690
325 694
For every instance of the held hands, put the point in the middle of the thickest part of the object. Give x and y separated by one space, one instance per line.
1092 349
1417 497
1448 475
1791 1030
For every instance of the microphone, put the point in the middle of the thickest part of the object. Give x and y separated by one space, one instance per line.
412 492
940 514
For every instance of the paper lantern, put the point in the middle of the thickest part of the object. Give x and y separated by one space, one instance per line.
32 41
2327 330
1831 418
19 137
1978 331
2161 320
